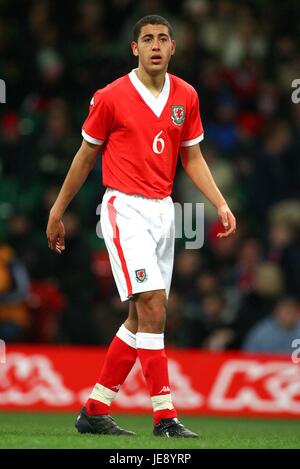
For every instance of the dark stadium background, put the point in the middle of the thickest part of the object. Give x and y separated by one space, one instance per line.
236 295
242 58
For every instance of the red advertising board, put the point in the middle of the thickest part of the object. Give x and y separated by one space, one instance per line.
60 378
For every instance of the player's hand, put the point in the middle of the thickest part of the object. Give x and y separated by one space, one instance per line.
56 234
228 221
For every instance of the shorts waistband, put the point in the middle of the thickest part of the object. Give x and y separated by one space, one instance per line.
136 196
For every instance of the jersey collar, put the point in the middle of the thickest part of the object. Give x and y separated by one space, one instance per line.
156 104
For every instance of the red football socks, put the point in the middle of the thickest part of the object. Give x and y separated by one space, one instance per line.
151 352
119 360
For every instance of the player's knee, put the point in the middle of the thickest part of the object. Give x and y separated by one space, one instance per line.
131 325
132 313
151 308
151 299
152 322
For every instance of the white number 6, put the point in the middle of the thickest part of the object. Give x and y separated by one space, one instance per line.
158 144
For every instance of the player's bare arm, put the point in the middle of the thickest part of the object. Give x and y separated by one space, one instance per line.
81 166
196 168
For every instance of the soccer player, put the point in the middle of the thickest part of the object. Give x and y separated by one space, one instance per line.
142 120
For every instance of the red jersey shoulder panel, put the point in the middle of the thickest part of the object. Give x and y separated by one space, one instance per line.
101 118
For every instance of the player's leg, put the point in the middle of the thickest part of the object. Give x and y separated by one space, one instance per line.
119 360
131 322
151 310
121 354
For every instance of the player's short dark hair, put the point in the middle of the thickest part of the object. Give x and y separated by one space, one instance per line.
150 19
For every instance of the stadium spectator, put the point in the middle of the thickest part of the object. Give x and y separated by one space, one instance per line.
204 323
276 333
14 288
259 302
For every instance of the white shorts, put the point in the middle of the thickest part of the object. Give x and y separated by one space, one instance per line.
139 235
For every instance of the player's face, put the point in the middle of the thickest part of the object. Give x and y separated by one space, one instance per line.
154 48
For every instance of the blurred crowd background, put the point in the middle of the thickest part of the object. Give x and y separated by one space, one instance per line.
237 293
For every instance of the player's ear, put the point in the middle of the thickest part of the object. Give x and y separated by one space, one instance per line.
134 48
173 47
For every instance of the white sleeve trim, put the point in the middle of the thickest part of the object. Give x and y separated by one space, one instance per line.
189 143
90 139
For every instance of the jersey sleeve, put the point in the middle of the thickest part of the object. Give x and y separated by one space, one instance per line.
193 131
99 121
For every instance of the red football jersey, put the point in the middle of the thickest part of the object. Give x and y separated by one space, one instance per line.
141 134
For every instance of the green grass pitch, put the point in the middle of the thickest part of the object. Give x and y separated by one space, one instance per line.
46 430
